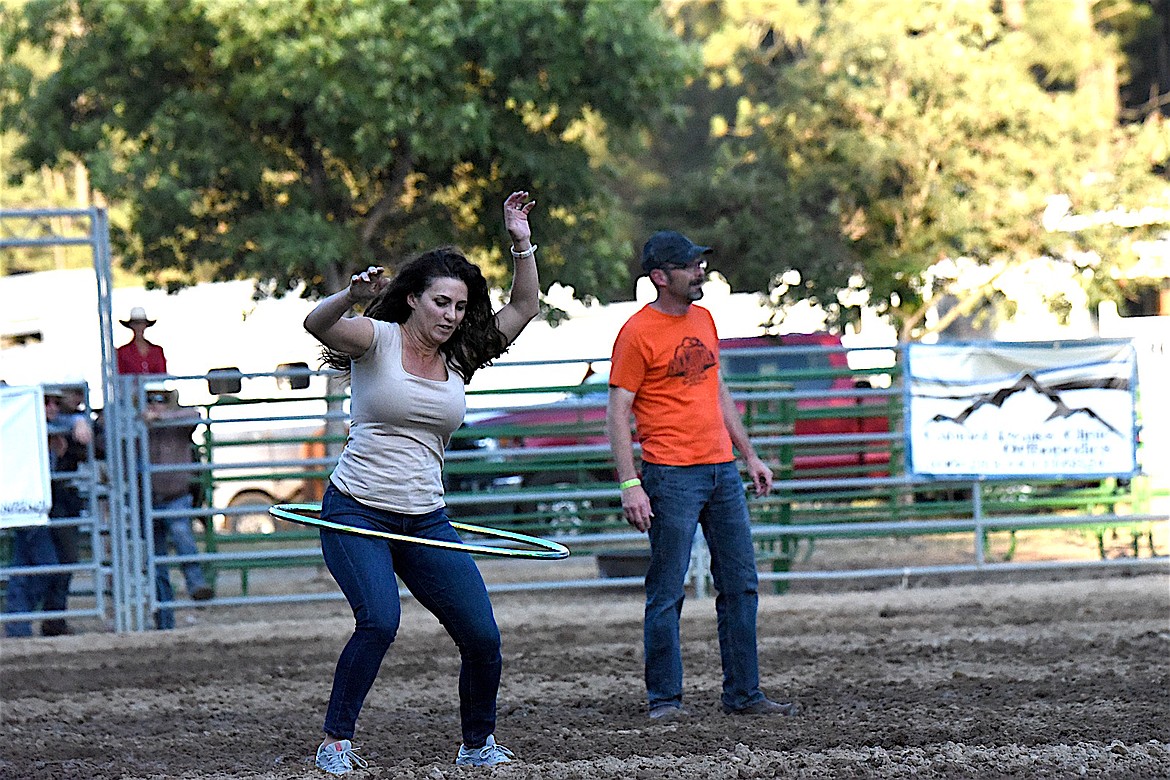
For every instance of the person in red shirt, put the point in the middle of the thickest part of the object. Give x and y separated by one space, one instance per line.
665 370
139 356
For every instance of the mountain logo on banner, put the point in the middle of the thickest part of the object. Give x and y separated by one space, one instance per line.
1029 393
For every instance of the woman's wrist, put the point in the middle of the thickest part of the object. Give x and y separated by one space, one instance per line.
520 251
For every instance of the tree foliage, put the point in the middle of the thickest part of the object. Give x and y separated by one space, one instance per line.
869 139
831 151
293 141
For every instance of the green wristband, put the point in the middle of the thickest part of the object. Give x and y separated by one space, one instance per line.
629 483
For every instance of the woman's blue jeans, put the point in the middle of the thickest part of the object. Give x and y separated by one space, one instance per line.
711 497
446 582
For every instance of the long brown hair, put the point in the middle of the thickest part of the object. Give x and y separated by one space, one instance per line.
478 339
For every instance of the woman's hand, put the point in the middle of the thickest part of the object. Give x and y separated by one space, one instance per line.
366 285
516 219
349 335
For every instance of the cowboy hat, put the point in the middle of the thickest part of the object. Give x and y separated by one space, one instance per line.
137 314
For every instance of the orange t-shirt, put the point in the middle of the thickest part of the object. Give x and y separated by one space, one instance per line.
671 365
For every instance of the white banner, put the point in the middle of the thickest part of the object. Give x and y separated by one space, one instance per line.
1001 410
1151 340
24 457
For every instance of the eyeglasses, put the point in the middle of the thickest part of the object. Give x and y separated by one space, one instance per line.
690 268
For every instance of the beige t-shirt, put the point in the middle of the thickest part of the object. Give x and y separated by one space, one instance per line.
400 426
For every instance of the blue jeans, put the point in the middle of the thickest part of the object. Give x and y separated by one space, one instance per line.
710 496
176 530
32 546
446 582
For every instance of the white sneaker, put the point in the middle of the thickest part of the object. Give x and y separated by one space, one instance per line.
338 758
488 755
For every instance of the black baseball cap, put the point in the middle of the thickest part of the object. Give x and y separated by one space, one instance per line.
670 249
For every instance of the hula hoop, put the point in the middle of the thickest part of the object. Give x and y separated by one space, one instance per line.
546 549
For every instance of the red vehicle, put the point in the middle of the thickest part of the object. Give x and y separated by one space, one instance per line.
814 363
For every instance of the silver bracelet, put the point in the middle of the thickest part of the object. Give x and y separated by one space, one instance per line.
526 253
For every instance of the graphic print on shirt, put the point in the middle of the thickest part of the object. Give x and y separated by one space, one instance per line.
691 360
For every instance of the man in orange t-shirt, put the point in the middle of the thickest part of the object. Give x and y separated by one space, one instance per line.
665 370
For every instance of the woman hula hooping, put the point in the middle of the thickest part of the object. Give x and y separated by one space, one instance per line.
423 334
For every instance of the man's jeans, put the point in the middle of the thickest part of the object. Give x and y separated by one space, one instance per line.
67 506
179 532
66 540
31 546
710 496
446 582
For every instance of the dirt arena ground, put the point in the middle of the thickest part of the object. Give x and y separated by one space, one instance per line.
1041 679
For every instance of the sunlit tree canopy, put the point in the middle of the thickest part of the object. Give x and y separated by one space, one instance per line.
859 142
292 141
833 152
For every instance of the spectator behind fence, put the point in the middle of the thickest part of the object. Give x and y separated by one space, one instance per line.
75 402
665 369
139 356
171 443
56 543
70 433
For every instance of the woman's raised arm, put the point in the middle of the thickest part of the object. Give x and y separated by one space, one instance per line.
524 299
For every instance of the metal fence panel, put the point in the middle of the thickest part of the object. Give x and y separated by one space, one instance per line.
833 435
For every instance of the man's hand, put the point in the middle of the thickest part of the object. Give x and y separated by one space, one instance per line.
761 476
636 507
82 433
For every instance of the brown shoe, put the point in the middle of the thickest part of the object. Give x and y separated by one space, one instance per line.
766 707
202 593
